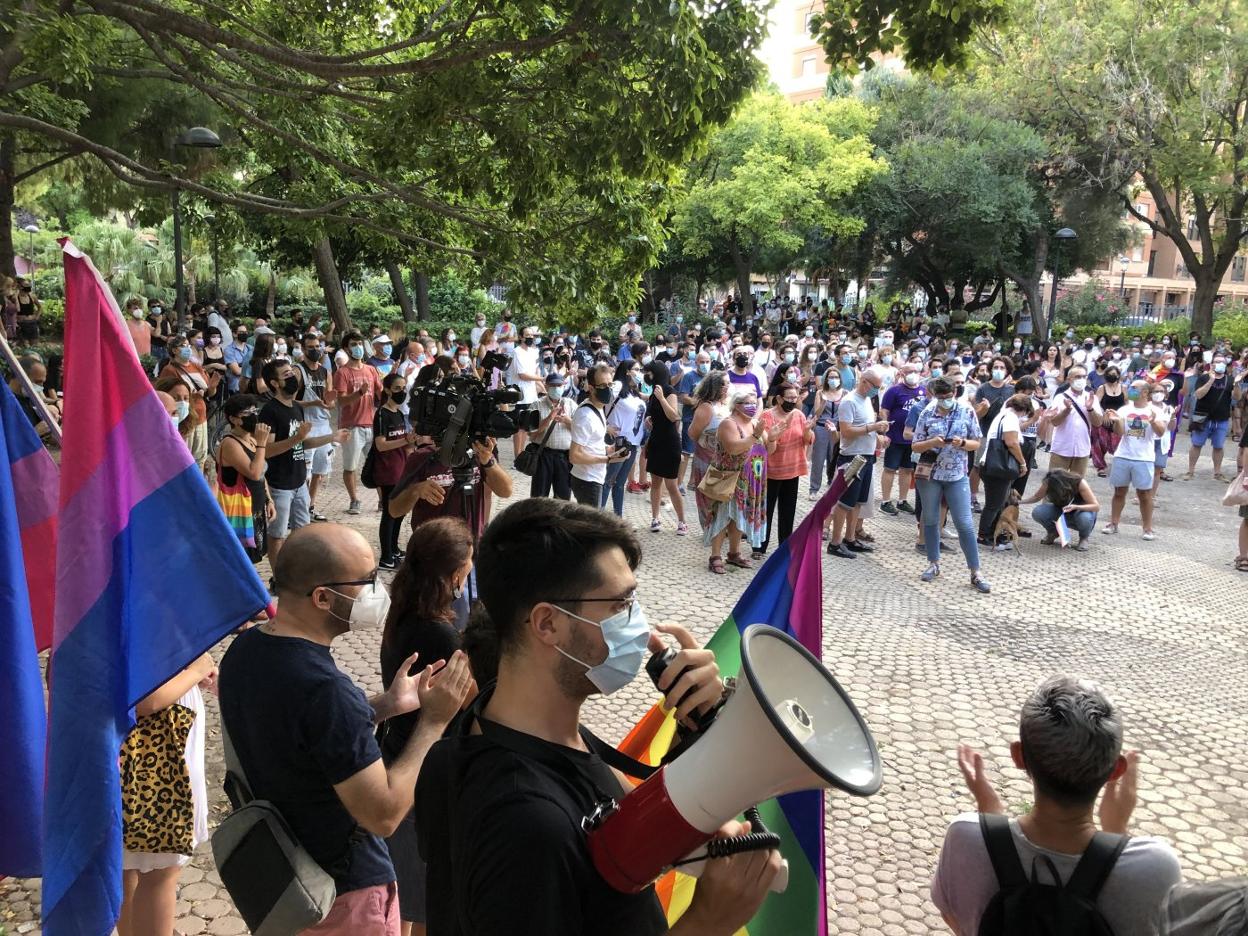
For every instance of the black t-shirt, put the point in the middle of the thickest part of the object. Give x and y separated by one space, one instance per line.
1216 404
299 725
389 425
498 823
433 640
287 471
996 397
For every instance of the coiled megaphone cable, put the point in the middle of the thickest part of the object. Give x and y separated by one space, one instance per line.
759 838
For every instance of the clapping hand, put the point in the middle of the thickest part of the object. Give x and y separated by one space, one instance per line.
442 693
261 433
1119 798
971 763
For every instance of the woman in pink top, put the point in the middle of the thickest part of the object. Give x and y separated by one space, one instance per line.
786 424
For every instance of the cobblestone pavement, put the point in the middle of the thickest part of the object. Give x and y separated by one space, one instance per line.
1161 625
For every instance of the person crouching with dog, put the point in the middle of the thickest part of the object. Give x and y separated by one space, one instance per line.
1007 427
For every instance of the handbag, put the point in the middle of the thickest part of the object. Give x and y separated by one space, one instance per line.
1237 493
157 809
999 463
278 888
526 461
719 484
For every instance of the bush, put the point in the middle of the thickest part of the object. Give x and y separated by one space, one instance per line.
48 283
453 300
1179 327
52 317
1090 304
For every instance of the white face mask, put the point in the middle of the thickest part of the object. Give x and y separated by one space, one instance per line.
368 609
1159 398
912 380
1078 384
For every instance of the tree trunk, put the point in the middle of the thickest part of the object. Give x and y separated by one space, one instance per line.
8 160
270 298
331 284
400 291
421 283
1202 303
742 266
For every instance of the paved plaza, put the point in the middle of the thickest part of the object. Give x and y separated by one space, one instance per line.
1162 625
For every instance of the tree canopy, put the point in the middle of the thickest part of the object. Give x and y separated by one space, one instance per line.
1148 96
772 174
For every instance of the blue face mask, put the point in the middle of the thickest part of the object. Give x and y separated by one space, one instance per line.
704 369
357 352
873 392
184 353
628 638
945 404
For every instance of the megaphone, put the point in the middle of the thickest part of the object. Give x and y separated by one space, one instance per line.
788 726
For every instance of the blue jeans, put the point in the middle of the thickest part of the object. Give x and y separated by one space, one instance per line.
617 478
957 495
821 458
1046 514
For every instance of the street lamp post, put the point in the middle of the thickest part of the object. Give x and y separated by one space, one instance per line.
1062 235
199 138
32 229
211 220
1122 280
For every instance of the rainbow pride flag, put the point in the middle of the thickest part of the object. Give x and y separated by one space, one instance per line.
148 576
786 593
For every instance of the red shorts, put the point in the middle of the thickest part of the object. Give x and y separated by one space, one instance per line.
372 911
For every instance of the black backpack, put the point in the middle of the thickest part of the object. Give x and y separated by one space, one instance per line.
1025 907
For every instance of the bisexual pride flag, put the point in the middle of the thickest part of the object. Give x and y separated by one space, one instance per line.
27 524
148 576
787 594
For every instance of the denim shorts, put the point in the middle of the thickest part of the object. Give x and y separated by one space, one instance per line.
1127 472
686 440
290 511
859 490
896 456
1212 431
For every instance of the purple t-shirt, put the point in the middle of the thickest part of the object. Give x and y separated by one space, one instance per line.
746 378
898 399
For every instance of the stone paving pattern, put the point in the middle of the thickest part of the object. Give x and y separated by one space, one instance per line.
1161 625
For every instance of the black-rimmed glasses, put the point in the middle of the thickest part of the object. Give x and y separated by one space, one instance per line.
371 580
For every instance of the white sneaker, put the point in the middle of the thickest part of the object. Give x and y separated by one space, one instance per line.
1110 528
1149 535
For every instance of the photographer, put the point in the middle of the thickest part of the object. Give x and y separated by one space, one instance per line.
588 452
497 801
428 489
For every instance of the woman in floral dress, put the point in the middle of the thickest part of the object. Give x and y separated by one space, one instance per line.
743 446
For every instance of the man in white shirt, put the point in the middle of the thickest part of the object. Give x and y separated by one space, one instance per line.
525 374
477 331
1070 744
588 451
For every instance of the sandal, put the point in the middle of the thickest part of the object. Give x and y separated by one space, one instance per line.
1241 564
1219 476
716 565
735 559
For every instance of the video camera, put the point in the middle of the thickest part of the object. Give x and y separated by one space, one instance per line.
459 410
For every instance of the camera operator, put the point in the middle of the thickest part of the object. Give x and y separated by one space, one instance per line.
499 801
588 452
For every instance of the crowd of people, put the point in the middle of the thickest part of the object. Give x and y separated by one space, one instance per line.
450 803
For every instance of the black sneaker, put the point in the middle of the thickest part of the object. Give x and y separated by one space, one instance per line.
904 507
388 564
399 554
857 547
888 508
838 549
1024 533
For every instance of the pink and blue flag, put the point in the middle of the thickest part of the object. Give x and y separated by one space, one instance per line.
148 576
786 593
27 475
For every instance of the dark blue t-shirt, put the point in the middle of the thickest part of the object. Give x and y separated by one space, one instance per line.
688 382
299 725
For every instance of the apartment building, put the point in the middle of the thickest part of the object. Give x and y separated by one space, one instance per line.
796 63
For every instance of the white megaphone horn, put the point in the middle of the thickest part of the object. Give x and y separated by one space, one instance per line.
789 726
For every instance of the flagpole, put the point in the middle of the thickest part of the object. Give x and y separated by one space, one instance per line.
36 398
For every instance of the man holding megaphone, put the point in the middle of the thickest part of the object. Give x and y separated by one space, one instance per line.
502 801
